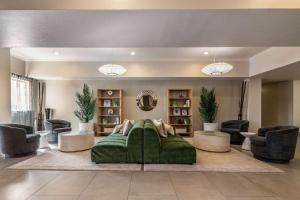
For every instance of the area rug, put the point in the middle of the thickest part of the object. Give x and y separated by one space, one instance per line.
56 160
233 161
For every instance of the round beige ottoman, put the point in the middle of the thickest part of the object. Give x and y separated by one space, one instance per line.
212 141
72 141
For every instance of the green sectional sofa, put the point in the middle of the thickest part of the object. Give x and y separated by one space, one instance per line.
143 145
117 148
170 150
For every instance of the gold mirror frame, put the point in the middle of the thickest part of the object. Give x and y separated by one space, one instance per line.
146 100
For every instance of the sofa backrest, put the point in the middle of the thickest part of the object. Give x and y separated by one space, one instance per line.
151 143
135 143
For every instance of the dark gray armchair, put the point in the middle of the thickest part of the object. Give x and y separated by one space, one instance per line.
56 126
276 144
234 127
18 140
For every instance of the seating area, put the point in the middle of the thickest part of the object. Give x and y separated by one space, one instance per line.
148 100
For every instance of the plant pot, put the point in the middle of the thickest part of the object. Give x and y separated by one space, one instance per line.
86 126
210 127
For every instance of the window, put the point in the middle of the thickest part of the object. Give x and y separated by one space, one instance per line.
20 97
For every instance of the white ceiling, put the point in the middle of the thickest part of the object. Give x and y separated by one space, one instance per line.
141 54
150 28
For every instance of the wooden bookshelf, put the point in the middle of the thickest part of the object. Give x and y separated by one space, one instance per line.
109 110
180 113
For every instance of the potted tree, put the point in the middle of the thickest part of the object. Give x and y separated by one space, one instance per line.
86 103
208 109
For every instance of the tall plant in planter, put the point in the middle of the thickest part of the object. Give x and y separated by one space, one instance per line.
208 109
86 112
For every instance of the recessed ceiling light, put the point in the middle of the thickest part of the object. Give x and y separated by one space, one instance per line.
205 53
56 53
132 53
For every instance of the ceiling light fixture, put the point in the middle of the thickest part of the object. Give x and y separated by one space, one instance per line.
217 68
132 53
112 70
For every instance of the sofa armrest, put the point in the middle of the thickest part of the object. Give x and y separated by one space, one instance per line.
48 125
60 130
32 137
230 130
226 124
258 141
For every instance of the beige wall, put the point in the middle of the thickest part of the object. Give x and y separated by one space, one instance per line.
89 70
17 66
254 104
4 85
277 104
296 104
60 95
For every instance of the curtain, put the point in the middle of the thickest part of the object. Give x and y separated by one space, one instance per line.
25 101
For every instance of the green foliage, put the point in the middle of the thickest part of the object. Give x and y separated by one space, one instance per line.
86 103
208 106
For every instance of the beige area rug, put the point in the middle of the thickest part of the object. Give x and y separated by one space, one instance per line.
56 160
233 161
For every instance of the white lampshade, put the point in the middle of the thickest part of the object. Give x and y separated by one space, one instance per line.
217 68
112 70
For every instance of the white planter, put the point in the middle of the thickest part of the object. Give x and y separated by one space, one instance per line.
86 126
210 127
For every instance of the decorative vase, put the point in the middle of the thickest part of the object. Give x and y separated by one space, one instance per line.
210 127
85 126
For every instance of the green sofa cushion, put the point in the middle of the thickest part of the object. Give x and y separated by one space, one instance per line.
151 143
117 148
111 149
135 143
175 150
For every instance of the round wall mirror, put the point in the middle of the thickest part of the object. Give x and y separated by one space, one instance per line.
146 100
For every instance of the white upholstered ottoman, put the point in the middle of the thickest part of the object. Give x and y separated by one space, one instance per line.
212 141
74 141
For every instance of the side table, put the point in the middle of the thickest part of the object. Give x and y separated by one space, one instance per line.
247 142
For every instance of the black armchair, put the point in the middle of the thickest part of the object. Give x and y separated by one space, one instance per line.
234 127
18 140
276 144
55 127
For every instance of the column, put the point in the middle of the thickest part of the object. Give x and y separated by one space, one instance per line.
254 104
5 104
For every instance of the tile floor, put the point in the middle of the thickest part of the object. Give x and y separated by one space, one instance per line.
89 185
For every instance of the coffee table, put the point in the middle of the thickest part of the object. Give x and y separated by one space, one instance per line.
212 141
75 141
247 142
44 144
